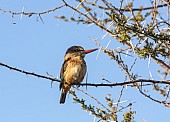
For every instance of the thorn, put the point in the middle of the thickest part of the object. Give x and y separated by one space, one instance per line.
41 18
51 84
22 12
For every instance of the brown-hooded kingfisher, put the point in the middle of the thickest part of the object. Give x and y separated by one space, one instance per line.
73 69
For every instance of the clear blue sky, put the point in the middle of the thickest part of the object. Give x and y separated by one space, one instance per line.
37 47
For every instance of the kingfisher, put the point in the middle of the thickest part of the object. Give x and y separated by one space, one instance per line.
73 69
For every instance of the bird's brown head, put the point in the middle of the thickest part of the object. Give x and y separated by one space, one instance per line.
77 51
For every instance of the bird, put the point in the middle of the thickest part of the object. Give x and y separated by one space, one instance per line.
73 69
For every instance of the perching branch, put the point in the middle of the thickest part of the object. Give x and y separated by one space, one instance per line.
167 82
29 73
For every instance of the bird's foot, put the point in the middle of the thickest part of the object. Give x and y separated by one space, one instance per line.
78 85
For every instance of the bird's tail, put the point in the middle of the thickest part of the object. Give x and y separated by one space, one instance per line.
63 97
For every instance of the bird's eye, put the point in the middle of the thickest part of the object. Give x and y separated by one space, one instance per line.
76 50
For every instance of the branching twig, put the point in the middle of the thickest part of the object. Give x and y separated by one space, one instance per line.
93 98
94 21
29 14
127 9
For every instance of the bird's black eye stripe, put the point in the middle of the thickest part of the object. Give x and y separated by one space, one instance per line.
77 50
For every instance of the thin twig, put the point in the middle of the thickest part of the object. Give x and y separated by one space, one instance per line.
127 9
29 14
93 98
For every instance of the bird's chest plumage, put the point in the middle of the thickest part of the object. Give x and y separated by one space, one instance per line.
75 70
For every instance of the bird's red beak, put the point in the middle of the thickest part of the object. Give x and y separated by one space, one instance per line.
89 51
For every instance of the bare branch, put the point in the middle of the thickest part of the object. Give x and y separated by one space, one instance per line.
87 84
29 14
30 73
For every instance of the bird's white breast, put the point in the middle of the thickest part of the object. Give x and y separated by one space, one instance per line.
76 72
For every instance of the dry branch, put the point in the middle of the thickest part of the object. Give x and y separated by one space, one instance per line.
167 82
